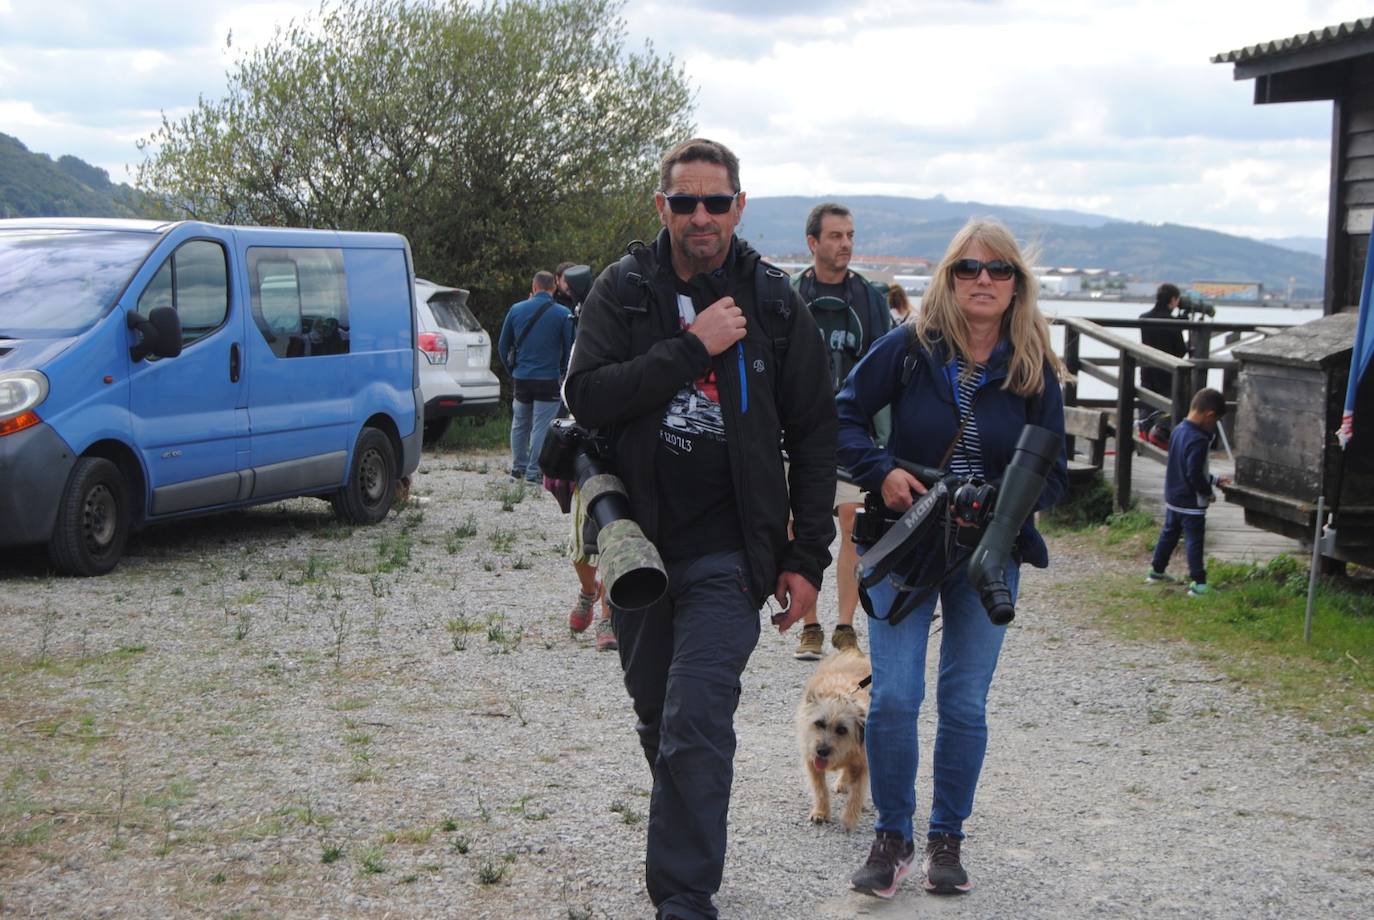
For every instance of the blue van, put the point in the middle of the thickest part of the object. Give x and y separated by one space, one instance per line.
151 371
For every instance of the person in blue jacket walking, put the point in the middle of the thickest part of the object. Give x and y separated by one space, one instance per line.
980 367
536 340
1188 490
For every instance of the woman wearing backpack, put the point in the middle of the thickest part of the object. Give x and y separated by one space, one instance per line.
978 367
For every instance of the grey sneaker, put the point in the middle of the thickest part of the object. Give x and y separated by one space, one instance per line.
811 644
944 874
844 637
889 860
1198 589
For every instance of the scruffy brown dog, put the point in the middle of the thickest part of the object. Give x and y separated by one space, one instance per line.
830 731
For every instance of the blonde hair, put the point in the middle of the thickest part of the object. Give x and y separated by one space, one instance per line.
1023 325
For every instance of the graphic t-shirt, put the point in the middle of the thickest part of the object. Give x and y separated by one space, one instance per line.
696 494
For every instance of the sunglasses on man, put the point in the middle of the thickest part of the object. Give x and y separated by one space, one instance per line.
687 204
969 269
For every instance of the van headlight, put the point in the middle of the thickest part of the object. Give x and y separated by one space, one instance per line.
20 392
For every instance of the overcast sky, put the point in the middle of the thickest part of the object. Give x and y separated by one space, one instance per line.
1108 107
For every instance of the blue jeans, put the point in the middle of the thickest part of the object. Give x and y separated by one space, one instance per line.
1194 530
969 646
528 425
682 659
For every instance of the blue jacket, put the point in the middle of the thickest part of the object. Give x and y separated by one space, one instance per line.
1187 484
925 420
544 353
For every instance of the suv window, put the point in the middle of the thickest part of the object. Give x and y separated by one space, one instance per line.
300 300
451 312
193 281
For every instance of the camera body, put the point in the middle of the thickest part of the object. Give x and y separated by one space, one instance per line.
990 518
630 565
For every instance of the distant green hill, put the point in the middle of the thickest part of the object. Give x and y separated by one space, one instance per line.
923 227
34 185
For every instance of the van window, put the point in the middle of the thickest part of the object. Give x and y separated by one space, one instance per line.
194 282
300 300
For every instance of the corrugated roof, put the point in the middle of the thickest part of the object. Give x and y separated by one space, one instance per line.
1331 35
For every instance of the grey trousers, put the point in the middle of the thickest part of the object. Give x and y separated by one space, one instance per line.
682 660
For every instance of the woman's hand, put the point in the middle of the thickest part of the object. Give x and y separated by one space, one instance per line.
901 489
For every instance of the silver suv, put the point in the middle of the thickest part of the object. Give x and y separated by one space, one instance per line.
454 359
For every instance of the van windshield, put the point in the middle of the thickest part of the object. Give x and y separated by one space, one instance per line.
55 283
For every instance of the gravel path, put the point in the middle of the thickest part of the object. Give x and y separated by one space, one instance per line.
268 715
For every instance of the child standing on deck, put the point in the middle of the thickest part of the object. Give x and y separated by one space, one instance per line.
1188 490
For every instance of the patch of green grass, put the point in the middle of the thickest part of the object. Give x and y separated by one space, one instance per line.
393 552
330 853
1087 505
501 540
408 835
370 861
482 433
1251 628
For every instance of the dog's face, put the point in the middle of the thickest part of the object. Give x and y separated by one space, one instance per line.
831 729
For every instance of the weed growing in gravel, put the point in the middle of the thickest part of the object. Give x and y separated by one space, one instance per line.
506 640
509 494
243 625
522 808
330 853
519 563
338 627
491 873
453 540
415 835
394 552
472 466
47 623
370 861
627 814
501 540
459 628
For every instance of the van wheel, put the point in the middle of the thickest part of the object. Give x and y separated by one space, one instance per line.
371 487
435 430
92 519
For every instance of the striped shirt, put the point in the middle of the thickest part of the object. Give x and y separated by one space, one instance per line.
968 452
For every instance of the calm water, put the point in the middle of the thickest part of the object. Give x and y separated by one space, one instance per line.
1091 388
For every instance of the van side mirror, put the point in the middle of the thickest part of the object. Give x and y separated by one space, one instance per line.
160 334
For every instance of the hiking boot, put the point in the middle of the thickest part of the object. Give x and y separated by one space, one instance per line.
1158 578
811 644
605 636
889 860
580 617
1198 589
844 637
943 872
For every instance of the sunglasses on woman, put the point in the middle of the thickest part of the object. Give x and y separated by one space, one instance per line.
969 269
687 204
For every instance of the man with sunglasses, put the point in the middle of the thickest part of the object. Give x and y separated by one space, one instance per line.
852 314
696 359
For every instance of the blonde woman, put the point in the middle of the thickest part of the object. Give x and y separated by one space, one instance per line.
978 368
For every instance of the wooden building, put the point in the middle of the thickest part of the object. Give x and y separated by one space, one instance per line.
1335 63
1292 385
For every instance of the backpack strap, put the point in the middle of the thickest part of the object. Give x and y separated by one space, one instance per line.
772 288
632 283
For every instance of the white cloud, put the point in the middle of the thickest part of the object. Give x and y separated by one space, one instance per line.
1112 107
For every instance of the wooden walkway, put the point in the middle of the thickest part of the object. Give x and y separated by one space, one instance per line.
1229 538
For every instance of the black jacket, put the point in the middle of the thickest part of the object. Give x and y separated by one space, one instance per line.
628 364
1166 340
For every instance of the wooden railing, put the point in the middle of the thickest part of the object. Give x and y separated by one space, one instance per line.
1186 376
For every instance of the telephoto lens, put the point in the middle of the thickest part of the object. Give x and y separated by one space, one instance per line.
1022 483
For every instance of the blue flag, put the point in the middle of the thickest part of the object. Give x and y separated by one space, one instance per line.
1363 350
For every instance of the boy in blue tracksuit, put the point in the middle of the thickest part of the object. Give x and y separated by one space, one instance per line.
1188 490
